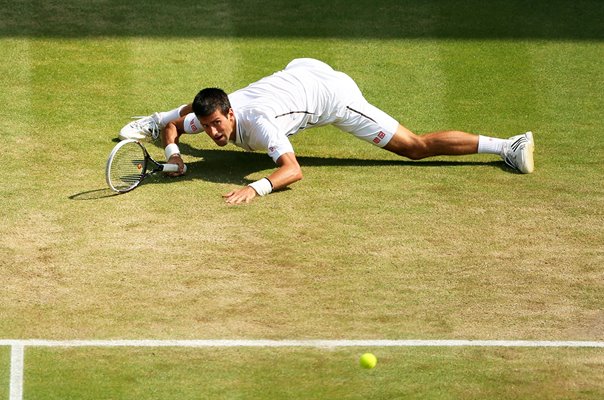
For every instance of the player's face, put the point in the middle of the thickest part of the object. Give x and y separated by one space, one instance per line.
219 127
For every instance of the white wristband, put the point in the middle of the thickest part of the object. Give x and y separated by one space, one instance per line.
171 149
263 187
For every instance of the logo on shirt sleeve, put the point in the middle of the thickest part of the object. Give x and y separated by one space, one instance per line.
193 126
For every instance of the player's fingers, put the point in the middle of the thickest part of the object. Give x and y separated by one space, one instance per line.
236 199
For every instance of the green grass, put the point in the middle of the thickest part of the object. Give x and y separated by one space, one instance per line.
4 371
367 246
314 374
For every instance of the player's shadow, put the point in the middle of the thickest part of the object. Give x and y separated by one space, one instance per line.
234 166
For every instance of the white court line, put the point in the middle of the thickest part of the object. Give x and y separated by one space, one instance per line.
18 347
299 343
16 372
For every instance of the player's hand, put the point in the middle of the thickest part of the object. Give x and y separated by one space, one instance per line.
176 159
244 195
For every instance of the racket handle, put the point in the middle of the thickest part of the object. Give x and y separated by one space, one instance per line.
173 168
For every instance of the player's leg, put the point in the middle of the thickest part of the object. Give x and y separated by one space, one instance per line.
167 116
369 123
407 144
149 127
517 151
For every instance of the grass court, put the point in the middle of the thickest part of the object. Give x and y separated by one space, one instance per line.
368 246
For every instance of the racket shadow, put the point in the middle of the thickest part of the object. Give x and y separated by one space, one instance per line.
94 194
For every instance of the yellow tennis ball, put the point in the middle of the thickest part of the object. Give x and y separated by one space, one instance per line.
368 360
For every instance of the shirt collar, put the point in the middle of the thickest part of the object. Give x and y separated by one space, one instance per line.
237 139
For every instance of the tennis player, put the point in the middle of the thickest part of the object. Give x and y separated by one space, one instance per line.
307 93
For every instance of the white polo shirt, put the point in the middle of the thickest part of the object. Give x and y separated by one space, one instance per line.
307 93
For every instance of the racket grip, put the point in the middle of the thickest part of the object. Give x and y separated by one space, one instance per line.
173 168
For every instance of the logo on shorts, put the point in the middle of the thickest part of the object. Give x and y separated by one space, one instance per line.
272 149
379 137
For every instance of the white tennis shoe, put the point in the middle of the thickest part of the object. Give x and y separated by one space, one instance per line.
143 128
518 152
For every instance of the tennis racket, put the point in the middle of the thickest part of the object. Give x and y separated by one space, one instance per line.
129 164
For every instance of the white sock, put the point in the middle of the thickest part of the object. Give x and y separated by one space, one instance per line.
167 116
490 145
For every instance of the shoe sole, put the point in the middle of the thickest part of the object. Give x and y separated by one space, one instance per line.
528 164
125 134
129 132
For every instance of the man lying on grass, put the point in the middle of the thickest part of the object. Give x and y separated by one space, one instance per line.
306 94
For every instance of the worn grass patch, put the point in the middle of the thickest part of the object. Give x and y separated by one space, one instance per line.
368 245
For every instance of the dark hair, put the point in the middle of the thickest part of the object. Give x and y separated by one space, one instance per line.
209 100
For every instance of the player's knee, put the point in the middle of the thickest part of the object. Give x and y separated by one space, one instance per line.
417 151
298 176
410 146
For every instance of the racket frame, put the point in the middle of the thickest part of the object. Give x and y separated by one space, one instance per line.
147 160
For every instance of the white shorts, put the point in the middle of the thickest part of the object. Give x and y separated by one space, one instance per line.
368 123
353 113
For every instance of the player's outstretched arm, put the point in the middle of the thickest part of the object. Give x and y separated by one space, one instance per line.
170 135
288 172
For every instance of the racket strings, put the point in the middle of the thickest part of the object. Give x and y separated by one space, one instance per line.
128 167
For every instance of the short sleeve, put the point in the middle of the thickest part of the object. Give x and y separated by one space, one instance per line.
265 135
192 124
